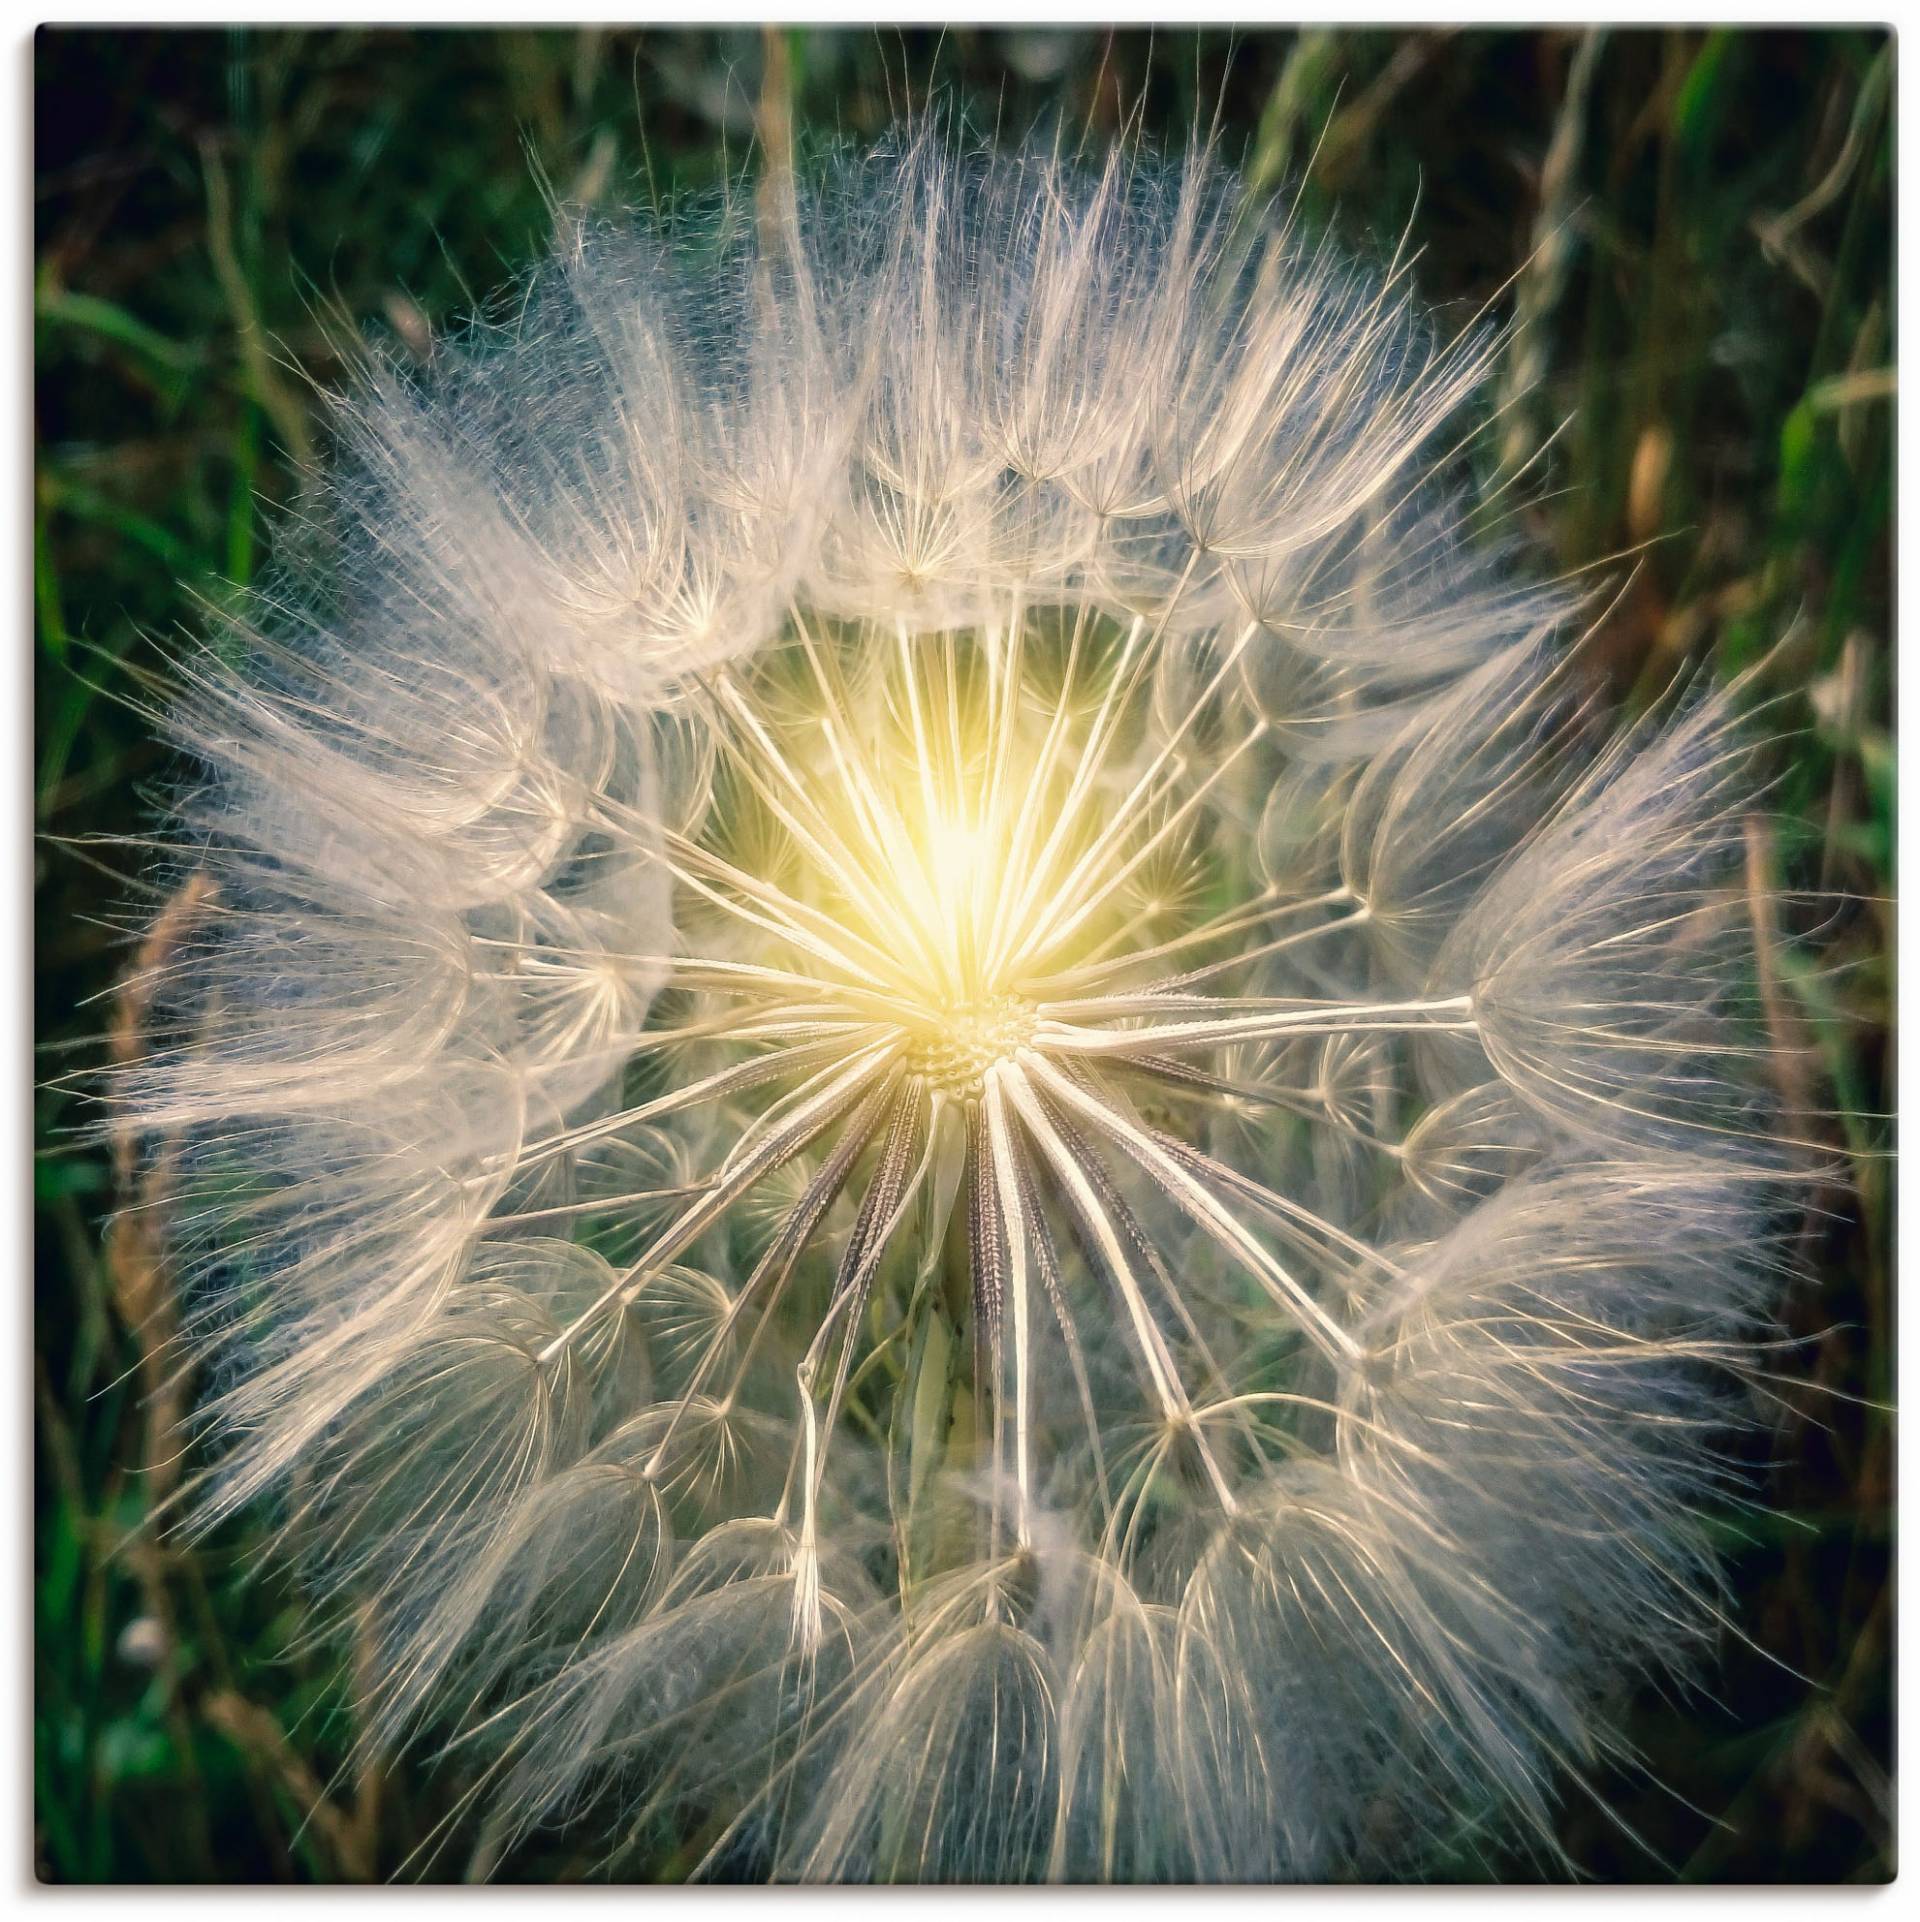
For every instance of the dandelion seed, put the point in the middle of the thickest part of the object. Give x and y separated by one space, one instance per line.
945 1113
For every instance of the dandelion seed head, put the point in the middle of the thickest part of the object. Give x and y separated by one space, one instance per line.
939 1104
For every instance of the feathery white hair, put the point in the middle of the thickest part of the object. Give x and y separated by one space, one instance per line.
936 1097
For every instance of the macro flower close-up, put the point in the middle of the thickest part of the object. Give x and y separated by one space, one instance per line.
934 1090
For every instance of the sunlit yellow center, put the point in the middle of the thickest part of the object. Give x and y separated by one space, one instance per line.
971 1019
959 837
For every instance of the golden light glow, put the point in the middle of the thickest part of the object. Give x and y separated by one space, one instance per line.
962 840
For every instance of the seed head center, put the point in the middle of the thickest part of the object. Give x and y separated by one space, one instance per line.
957 1045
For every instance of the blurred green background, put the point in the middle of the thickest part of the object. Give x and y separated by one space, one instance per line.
1697 231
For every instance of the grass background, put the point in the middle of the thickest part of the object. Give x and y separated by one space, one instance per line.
1701 227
